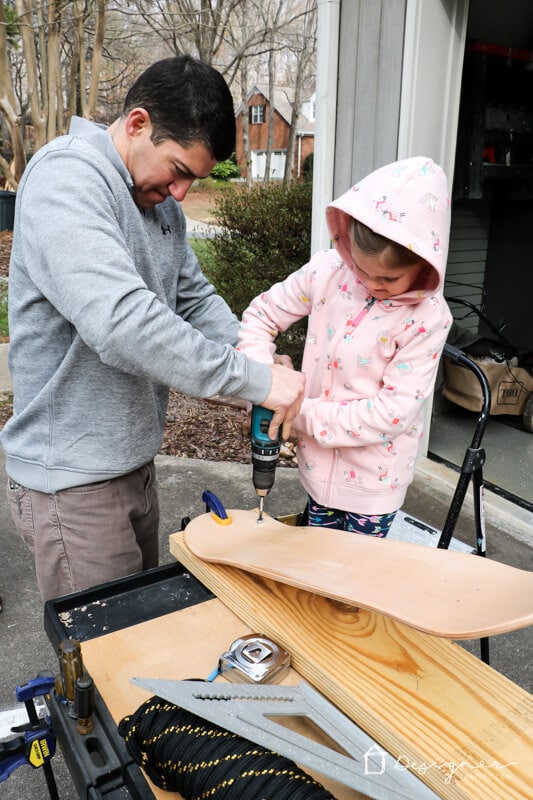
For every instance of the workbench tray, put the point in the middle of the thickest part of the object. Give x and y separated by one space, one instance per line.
119 604
99 763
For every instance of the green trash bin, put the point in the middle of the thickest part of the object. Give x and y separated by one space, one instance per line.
7 210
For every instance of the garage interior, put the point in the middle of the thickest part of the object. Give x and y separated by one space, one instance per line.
490 267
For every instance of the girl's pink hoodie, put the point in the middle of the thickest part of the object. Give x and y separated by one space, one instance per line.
370 364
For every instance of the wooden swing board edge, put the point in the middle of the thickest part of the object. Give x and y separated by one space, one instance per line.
440 592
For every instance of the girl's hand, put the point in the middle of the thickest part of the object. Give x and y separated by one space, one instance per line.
284 360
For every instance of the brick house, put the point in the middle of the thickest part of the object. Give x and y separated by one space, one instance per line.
258 110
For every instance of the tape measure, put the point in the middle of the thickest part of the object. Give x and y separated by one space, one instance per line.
254 659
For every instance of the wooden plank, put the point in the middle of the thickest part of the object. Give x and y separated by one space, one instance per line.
179 646
463 727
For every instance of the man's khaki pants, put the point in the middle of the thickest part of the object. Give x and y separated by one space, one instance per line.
90 534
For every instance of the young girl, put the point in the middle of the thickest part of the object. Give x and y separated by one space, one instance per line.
377 325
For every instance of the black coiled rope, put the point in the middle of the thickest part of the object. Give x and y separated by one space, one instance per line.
183 753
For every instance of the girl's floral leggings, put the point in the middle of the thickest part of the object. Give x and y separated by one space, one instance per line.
371 525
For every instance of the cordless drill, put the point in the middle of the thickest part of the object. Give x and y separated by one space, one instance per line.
265 454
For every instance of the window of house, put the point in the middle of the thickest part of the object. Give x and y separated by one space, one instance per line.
257 114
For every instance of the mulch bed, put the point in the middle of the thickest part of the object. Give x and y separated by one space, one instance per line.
6 238
210 430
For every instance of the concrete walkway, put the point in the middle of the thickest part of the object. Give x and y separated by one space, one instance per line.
199 230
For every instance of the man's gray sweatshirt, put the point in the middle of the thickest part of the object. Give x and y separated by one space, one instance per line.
108 307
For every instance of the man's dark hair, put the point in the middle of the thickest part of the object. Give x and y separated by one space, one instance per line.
188 101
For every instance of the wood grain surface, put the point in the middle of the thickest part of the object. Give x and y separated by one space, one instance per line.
463 727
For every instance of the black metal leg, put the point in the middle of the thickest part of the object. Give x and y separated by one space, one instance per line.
481 539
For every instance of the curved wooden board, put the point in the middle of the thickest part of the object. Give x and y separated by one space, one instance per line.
441 592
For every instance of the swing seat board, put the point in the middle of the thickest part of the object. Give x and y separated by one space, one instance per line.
441 592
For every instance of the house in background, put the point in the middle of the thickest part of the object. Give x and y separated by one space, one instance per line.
258 110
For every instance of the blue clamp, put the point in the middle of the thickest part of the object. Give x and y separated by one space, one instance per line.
41 685
214 505
37 744
35 748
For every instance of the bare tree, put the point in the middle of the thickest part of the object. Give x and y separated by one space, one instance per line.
237 35
96 64
245 43
219 32
60 61
193 27
66 57
272 26
37 99
302 44
288 57
245 120
8 107
256 38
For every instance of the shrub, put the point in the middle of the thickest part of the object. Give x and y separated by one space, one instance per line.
266 234
308 167
4 328
224 171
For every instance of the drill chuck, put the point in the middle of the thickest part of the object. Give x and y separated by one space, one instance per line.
263 474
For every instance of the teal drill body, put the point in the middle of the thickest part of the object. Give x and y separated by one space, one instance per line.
265 454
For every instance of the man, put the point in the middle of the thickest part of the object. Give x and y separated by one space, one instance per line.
108 308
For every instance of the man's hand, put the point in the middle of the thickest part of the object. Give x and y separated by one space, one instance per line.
284 399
